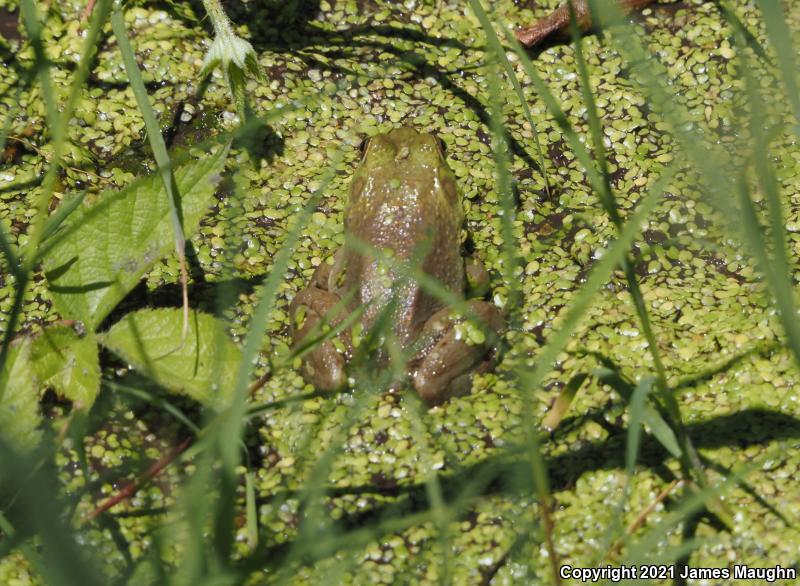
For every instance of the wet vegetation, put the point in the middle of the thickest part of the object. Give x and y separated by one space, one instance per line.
169 181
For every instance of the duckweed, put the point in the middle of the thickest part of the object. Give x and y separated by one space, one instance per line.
372 66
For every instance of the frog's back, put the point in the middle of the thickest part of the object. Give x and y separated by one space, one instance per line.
403 201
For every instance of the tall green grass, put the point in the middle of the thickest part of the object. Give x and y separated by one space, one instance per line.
22 263
157 145
209 501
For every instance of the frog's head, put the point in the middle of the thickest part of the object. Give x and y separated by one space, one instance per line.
404 161
403 147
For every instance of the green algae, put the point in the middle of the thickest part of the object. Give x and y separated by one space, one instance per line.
379 65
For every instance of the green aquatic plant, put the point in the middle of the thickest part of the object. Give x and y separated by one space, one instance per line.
629 191
232 54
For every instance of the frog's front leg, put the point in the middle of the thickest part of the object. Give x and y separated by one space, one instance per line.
454 348
324 365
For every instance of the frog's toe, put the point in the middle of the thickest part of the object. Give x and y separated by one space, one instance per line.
324 367
435 390
321 277
324 364
446 369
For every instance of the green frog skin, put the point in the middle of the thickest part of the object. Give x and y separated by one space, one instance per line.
403 200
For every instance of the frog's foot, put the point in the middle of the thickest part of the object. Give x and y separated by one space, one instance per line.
321 276
454 350
324 365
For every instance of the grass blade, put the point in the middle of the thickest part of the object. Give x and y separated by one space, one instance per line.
493 42
772 257
598 276
58 128
538 470
33 28
563 401
61 561
8 250
230 430
637 417
610 206
159 148
62 212
251 512
780 37
610 376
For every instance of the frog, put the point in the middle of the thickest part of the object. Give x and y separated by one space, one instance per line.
403 202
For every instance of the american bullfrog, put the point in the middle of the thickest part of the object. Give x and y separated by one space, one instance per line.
403 202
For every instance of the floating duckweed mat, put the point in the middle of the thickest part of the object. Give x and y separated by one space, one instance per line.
368 487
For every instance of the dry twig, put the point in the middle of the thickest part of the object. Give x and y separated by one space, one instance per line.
556 24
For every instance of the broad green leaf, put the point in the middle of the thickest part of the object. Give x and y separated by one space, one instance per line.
19 408
202 367
103 251
67 363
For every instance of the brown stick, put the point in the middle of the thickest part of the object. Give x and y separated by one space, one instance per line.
549 528
29 145
132 488
87 12
557 22
642 516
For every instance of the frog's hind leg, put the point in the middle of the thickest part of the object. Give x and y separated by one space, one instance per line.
322 275
452 353
323 365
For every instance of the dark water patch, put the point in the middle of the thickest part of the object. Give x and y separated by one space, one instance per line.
552 224
9 25
555 152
